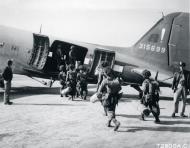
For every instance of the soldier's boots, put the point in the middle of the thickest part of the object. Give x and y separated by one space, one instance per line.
8 103
117 124
84 95
183 115
142 117
173 115
157 120
109 123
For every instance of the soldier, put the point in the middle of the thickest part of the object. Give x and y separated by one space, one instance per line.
72 55
71 80
62 78
7 76
101 77
111 96
82 82
101 73
1 81
180 88
59 56
150 96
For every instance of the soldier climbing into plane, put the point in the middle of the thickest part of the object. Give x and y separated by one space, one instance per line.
60 56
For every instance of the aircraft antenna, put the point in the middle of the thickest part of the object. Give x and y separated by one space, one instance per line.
163 14
40 28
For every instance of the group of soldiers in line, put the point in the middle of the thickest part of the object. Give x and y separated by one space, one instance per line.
74 83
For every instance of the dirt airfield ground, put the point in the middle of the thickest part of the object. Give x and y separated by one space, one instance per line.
40 118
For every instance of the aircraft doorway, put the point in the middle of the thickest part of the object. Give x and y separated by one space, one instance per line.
101 55
60 54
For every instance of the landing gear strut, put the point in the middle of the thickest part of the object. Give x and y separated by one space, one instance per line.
49 83
136 87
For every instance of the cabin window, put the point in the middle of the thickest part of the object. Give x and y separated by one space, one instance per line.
2 44
153 38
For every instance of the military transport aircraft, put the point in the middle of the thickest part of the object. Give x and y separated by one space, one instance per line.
160 49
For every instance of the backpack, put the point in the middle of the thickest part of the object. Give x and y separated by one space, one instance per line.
72 75
151 91
114 86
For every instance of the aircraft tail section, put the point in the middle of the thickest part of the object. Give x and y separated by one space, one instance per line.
179 42
153 47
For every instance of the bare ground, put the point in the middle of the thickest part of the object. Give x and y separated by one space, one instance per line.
40 118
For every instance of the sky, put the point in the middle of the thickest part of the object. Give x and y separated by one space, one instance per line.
108 22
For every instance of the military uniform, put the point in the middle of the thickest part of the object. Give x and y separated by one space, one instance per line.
71 82
1 81
101 76
180 86
7 76
101 73
72 55
82 84
62 80
151 97
110 98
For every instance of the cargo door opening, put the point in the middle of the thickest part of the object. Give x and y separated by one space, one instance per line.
60 54
40 51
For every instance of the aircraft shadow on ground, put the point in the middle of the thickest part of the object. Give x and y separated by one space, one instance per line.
19 92
156 128
48 104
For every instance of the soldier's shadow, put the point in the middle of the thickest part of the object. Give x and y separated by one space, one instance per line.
178 120
173 122
133 129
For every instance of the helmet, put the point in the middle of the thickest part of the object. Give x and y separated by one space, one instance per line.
9 62
182 64
71 66
81 67
72 47
109 72
59 46
146 73
61 68
104 64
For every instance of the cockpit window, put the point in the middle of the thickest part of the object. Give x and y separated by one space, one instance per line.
153 38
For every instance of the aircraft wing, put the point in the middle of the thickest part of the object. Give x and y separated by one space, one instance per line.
41 74
162 83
